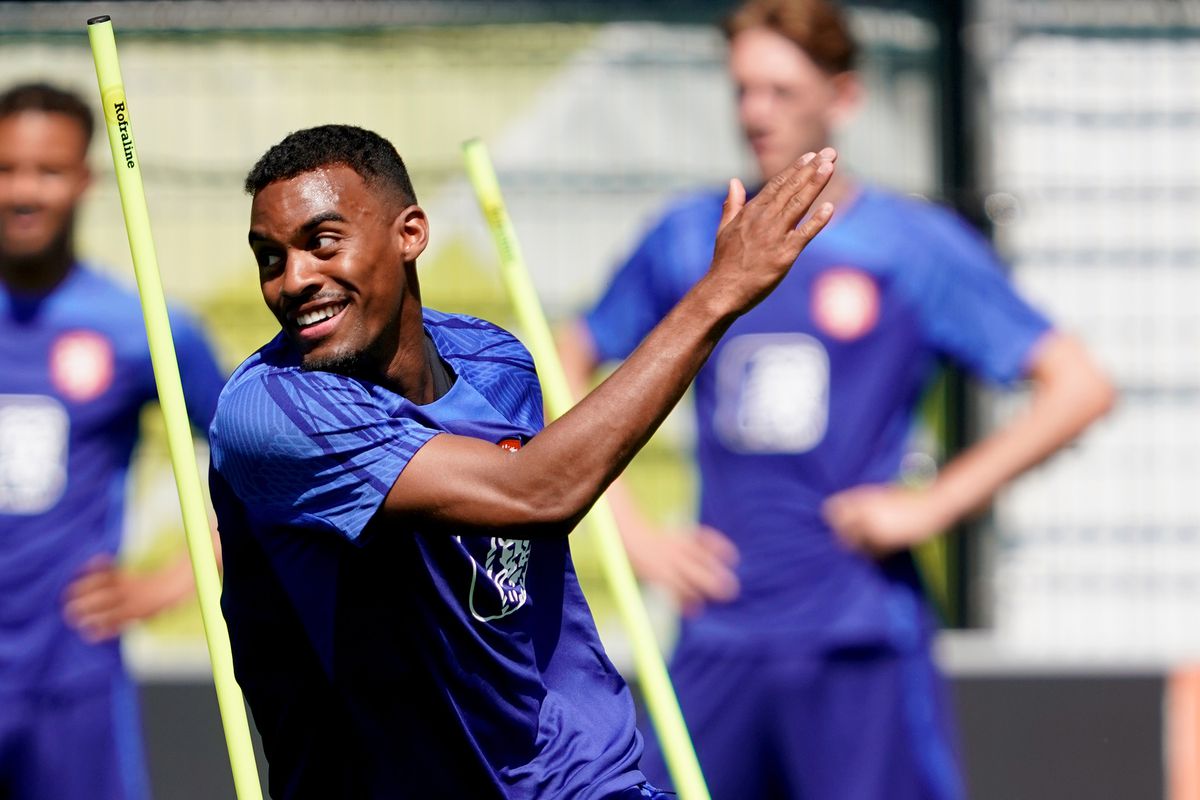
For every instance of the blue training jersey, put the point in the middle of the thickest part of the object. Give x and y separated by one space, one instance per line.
76 373
814 391
380 661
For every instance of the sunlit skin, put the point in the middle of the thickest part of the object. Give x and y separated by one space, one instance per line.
787 105
43 176
329 243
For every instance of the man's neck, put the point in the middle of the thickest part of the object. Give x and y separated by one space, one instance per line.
36 275
409 372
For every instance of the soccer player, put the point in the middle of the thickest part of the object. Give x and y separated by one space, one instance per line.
74 375
405 617
804 670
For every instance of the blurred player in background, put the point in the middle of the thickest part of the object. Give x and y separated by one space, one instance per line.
804 667
404 613
74 375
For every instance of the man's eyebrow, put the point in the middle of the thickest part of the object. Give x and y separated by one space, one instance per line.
314 222
323 217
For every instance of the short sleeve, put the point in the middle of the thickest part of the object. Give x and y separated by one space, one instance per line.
311 449
653 279
202 378
971 312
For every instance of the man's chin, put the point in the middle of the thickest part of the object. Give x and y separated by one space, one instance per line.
27 252
352 364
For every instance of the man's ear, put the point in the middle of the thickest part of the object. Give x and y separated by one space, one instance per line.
847 97
412 231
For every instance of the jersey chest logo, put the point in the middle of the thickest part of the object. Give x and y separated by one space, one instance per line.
845 303
773 393
81 365
34 436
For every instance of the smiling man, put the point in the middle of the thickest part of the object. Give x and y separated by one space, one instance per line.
405 617
75 374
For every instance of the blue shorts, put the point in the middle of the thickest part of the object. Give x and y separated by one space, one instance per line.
73 745
862 723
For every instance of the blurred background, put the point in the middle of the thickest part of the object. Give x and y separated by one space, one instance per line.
1069 130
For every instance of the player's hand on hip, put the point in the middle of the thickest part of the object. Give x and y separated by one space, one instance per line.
758 241
106 598
880 520
696 567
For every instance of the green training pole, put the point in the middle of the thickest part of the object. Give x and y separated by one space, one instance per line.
170 397
652 672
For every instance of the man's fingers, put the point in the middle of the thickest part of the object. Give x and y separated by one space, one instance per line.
735 199
804 191
711 579
811 169
718 544
99 628
91 584
800 237
85 603
778 185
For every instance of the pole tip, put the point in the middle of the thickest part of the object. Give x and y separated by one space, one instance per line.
99 19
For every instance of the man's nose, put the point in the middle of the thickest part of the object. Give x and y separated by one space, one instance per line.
300 274
23 187
753 106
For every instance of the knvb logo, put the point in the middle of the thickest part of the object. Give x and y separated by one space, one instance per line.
121 116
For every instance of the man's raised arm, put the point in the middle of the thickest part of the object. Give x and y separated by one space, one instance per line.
544 489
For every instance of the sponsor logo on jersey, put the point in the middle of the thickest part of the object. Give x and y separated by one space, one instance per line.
34 435
773 393
845 303
81 365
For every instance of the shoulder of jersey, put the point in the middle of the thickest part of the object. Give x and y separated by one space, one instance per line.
472 336
271 356
109 297
909 215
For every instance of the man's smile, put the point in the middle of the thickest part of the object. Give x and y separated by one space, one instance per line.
313 324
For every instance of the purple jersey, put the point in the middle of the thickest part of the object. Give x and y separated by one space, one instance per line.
814 391
76 373
381 660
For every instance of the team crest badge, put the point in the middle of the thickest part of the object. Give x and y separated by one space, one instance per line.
845 303
81 365
497 576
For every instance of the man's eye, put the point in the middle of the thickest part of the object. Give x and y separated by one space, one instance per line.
268 260
324 241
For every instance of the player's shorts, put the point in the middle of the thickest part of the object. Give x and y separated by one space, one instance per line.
863 723
73 745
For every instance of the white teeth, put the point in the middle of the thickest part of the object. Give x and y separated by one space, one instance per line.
313 317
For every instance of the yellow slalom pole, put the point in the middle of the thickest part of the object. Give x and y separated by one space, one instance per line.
170 397
652 672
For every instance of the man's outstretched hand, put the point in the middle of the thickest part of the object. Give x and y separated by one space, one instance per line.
758 241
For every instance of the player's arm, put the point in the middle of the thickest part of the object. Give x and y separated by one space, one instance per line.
459 483
106 597
1069 393
694 566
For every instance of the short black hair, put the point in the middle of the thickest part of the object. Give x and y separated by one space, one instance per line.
367 153
44 97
